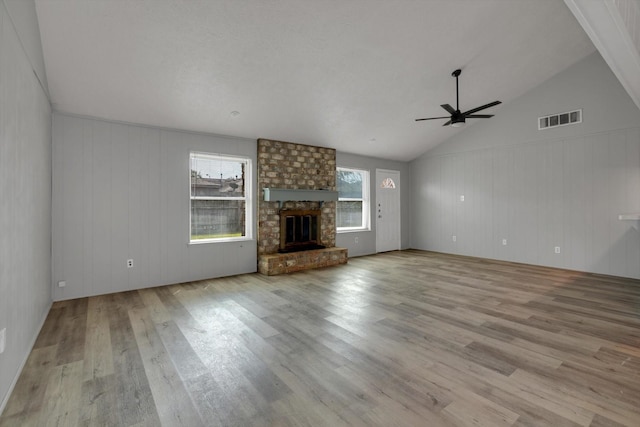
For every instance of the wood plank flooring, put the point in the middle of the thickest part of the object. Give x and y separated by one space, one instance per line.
398 339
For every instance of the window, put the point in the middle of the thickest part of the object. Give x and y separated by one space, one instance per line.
220 198
353 199
388 183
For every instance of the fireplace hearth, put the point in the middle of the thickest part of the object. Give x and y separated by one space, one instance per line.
300 230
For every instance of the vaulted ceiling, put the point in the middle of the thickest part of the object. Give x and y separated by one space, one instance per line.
352 75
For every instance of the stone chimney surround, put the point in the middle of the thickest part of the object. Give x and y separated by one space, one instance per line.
290 166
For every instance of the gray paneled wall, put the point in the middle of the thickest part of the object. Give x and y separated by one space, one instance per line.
561 187
25 202
25 18
565 193
121 192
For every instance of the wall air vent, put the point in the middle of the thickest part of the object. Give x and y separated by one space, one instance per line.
560 119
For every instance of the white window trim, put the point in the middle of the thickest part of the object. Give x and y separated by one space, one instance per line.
248 199
366 210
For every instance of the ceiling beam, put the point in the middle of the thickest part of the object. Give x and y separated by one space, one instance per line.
614 29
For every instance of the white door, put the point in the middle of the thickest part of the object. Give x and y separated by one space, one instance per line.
387 210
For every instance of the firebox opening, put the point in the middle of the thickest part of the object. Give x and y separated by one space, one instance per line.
300 230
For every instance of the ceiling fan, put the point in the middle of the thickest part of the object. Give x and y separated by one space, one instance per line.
457 119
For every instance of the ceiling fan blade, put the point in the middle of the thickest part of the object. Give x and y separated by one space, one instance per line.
433 118
491 104
449 108
447 124
479 116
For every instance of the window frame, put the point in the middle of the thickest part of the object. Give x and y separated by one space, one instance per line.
366 196
247 198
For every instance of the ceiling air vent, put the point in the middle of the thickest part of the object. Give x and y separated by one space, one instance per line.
561 119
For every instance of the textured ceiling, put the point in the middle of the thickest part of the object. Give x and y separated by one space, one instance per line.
347 74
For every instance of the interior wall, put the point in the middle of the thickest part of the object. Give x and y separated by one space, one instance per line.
25 203
366 244
121 191
539 189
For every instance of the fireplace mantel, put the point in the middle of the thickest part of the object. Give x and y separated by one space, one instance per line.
285 195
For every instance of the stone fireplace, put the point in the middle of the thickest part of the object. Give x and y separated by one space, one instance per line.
296 223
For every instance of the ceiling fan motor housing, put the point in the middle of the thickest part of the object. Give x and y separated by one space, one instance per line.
458 122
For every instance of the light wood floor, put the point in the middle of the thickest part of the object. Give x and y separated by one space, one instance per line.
399 339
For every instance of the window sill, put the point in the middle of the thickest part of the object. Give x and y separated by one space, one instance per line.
352 230
220 240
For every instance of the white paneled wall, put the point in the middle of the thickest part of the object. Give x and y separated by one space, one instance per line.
121 192
565 193
25 204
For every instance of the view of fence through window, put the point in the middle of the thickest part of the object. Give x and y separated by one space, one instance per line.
218 197
352 196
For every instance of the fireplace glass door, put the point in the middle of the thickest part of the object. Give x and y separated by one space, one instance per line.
299 230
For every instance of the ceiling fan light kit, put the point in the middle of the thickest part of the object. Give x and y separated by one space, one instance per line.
457 118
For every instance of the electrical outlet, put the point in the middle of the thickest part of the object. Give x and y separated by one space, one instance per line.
557 249
454 238
504 242
356 240
129 263
62 284
462 198
3 334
